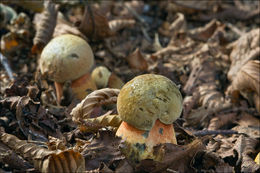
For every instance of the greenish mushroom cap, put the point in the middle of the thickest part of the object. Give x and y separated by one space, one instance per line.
66 57
101 76
147 98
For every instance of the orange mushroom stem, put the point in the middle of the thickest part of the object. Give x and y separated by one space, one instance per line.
80 87
146 140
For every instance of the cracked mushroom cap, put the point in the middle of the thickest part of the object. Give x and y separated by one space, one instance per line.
66 57
147 98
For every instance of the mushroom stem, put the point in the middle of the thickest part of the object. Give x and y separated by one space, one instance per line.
146 140
82 86
59 91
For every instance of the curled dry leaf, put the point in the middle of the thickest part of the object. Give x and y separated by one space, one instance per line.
64 161
179 25
210 97
118 24
97 98
94 124
65 27
45 28
43 159
8 156
94 25
245 48
136 60
62 28
247 82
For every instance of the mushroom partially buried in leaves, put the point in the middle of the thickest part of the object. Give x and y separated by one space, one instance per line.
148 105
104 78
68 58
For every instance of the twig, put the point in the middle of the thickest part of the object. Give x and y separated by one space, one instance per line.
65 120
235 29
214 132
40 143
140 19
146 34
7 67
240 109
135 14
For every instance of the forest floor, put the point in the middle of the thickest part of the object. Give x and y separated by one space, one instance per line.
211 49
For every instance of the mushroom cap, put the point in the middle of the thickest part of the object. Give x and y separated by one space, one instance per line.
101 76
147 98
66 57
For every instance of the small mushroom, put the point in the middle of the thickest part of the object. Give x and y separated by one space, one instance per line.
68 58
104 78
148 105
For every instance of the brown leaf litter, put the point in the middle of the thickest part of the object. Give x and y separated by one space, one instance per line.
208 48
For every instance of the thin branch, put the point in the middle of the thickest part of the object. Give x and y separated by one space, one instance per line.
135 14
7 67
140 19
214 132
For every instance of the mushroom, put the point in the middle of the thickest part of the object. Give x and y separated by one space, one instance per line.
148 105
104 78
68 58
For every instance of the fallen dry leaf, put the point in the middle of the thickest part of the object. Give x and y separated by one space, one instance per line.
9 157
46 26
203 46
247 82
104 149
94 124
43 159
245 48
206 160
94 25
137 61
177 158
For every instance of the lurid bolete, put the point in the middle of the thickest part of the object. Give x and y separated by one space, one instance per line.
105 78
148 106
68 58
